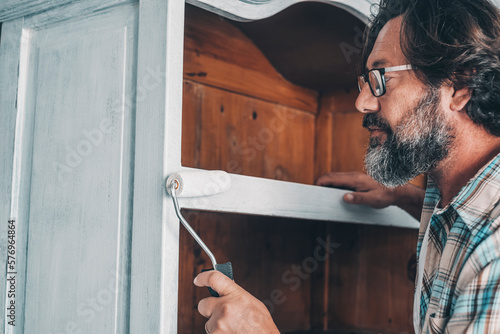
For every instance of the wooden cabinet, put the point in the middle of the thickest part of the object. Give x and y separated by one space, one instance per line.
101 100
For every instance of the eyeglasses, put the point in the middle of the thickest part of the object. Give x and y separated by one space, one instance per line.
376 79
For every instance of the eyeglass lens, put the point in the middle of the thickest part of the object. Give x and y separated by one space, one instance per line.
375 80
361 82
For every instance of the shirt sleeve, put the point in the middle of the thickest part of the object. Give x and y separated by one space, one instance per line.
477 309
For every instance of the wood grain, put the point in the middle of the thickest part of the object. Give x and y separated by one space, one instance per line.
369 285
265 253
241 116
245 135
217 53
340 139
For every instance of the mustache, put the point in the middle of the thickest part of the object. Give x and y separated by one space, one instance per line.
374 120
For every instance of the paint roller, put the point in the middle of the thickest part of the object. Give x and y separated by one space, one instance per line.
196 184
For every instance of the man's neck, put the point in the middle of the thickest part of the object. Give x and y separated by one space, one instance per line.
467 156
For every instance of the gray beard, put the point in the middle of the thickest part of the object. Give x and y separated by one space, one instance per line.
420 141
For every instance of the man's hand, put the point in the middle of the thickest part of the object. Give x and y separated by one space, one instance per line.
369 192
235 311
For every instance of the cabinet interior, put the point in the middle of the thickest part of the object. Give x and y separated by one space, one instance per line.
275 99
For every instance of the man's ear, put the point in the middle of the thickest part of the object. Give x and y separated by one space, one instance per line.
459 98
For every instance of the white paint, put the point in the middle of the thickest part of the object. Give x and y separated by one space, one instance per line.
251 195
79 227
15 9
249 10
155 236
198 183
12 192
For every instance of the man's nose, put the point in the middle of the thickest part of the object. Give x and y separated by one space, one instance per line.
366 103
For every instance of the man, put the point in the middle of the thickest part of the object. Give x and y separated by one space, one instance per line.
430 90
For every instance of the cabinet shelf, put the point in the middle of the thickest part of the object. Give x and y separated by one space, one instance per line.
258 196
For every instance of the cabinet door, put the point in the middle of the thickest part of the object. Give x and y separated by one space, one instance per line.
83 104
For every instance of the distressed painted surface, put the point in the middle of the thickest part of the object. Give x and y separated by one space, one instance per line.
244 10
155 236
240 10
9 187
76 86
87 155
14 9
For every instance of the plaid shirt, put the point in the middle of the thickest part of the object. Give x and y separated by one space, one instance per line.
461 278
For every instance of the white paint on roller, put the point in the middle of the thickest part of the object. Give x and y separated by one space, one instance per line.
199 183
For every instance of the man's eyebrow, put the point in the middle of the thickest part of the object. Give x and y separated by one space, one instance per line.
377 64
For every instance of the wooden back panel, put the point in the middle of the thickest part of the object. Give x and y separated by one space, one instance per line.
241 116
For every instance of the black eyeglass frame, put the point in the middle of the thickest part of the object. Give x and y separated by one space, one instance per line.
379 76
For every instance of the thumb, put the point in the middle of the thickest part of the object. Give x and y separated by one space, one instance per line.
217 281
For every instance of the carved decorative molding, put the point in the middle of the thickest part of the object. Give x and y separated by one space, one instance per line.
240 10
249 10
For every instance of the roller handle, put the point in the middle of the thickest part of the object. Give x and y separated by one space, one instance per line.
226 269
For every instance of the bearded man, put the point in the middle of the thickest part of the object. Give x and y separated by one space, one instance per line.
430 89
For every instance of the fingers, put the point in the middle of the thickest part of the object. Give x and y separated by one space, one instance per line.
213 327
366 191
207 330
335 179
359 182
236 311
217 281
206 306
350 198
347 180
210 326
360 199
378 199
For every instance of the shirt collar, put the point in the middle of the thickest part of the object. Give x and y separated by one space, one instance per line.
477 199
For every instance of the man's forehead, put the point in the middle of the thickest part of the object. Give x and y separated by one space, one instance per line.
387 48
